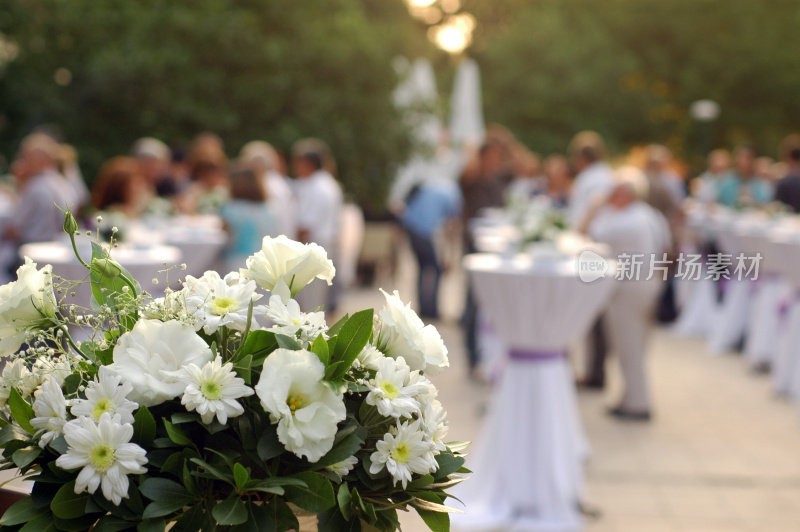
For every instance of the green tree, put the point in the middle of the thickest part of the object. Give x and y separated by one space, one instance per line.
245 69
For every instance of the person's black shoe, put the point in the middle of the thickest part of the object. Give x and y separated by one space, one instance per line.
626 415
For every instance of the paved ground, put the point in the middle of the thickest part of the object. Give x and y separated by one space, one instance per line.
722 454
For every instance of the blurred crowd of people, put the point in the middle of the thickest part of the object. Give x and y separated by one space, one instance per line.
252 193
634 205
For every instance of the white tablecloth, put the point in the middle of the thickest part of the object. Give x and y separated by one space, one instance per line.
143 263
527 462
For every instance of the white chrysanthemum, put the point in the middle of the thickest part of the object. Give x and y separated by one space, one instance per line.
286 262
392 391
434 424
26 305
105 454
215 302
148 355
341 469
14 375
403 334
107 394
50 411
45 368
306 410
289 320
213 390
368 357
404 451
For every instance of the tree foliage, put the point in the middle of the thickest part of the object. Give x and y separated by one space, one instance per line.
631 68
245 69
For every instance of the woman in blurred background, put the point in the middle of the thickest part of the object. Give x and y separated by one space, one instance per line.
247 217
120 187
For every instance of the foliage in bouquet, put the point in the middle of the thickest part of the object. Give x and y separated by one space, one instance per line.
216 407
536 219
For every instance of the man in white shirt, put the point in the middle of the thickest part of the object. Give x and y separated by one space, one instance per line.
595 177
594 181
42 190
635 232
263 158
319 207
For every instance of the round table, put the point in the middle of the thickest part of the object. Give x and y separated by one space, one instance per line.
527 462
144 264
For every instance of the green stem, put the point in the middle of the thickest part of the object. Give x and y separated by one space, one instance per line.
75 249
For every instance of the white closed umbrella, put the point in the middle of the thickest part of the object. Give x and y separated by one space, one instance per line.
466 121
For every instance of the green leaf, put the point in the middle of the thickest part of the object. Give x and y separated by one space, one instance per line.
11 433
268 445
67 504
287 342
192 520
216 473
184 417
316 497
259 344
436 521
335 370
24 457
108 278
21 411
243 367
42 523
152 525
320 348
240 476
21 512
334 329
422 482
110 523
448 464
344 499
277 515
167 497
71 383
231 511
274 485
144 427
352 338
345 448
176 435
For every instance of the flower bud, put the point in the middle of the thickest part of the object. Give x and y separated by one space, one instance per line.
70 224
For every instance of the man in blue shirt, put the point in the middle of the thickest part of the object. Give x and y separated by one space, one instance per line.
429 208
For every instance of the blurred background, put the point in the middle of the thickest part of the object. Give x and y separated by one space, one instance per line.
445 162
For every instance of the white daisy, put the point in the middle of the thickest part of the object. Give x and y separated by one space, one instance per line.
341 469
216 303
289 320
213 390
107 394
404 451
434 424
105 454
391 390
50 409
46 367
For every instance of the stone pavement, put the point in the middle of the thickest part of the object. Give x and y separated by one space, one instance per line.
722 453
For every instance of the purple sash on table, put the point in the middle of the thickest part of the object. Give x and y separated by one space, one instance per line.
532 355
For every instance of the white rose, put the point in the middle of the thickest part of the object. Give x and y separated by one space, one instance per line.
404 335
25 304
283 262
306 410
147 355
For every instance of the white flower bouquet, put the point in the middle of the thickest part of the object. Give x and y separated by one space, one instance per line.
216 407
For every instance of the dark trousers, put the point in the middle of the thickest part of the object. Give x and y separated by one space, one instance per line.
430 272
596 354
